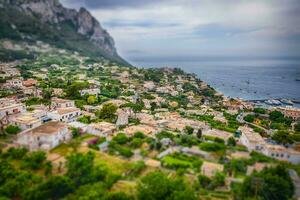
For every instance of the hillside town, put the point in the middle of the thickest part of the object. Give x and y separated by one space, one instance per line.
164 118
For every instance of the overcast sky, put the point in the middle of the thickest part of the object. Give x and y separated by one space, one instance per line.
192 29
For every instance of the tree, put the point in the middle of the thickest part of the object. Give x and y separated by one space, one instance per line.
75 132
47 93
282 137
231 141
56 187
276 116
108 112
199 133
249 118
204 181
11 129
297 127
121 138
157 186
34 160
270 183
91 99
189 130
259 110
81 168
48 168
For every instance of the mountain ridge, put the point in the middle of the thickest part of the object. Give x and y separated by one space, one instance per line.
50 21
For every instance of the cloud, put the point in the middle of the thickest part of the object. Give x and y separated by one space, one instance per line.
182 28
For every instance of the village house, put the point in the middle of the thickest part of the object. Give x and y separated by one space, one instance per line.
123 115
94 82
26 121
32 91
210 169
92 91
38 113
254 142
291 112
102 129
58 92
149 85
146 119
11 108
14 83
61 103
217 133
30 82
282 153
8 71
44 137
146 129
68 114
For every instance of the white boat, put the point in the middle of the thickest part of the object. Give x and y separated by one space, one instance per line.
287 101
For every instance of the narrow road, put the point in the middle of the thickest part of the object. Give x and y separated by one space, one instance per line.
296 181
240 118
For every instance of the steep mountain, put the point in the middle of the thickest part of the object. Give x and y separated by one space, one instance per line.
50 22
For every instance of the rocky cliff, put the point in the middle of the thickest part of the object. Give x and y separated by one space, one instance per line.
52 15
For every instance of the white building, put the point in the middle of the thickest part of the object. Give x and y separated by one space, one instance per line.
61 103
282 153
10 109
254 142
26 121
149 85
65 114
44 137
93 91
250 139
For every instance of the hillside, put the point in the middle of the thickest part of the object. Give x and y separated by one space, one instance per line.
50 22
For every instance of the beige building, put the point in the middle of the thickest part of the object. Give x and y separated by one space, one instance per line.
44 137
102 129
210 169
217 133
26 121
61 103
147 130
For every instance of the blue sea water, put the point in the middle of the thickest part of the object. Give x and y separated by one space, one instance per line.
246 79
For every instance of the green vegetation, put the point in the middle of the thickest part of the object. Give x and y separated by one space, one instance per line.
212 146
181 161
108 112
271 183
157 186
11 129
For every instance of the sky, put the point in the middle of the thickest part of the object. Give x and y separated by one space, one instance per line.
147 30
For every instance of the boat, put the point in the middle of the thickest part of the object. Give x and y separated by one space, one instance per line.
287 102
273 102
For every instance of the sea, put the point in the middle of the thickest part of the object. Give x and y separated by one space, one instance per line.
252 79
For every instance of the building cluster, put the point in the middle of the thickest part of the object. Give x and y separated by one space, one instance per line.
254 142
45 127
